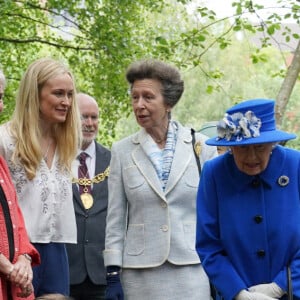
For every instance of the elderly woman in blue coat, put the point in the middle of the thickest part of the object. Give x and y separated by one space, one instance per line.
248 207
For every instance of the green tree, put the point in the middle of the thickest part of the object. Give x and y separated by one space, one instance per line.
99 39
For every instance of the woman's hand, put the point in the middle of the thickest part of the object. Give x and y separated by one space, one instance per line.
25 291
21 274
245 295
114 290
6 267
269 289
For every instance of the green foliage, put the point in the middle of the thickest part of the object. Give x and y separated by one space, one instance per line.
99 39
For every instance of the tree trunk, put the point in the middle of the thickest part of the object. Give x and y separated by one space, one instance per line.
287 86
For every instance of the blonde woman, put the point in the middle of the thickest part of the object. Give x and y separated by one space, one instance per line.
39 144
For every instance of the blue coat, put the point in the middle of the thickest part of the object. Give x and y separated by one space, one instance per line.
248 228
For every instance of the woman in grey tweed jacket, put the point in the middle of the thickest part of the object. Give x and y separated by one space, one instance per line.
153 182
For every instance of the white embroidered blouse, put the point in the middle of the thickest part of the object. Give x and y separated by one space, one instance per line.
46 201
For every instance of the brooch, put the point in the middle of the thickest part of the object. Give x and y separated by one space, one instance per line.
283 180
197 148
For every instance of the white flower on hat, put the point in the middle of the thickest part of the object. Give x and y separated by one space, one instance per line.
239 126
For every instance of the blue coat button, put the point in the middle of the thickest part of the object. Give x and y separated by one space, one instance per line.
261 253
258 219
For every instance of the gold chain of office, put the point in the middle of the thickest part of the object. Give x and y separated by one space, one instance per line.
96 179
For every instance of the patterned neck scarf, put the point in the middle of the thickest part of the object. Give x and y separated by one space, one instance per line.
162 158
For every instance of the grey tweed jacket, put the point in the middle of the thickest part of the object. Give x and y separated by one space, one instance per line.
147 226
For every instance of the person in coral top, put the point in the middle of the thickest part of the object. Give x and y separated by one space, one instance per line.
17 255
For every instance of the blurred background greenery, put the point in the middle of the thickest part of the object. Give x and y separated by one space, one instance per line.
246 52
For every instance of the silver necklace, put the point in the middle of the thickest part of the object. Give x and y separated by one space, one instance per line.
45 156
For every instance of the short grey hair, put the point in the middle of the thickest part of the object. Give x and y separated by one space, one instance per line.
167 75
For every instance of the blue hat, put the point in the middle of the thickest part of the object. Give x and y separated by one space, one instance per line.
249 122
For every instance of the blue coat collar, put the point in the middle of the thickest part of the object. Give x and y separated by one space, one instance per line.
269 177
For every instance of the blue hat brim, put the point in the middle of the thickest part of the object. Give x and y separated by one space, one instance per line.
264 137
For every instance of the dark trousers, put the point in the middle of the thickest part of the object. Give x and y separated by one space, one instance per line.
286 298
87 291
52 275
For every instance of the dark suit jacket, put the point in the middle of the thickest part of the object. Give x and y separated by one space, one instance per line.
85 257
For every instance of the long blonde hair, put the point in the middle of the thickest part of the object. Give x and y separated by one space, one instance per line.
24 124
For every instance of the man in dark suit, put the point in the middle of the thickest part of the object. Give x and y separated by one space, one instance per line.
87 272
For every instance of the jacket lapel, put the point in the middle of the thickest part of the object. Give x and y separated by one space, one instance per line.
144 164
102 162
78 206
181 159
